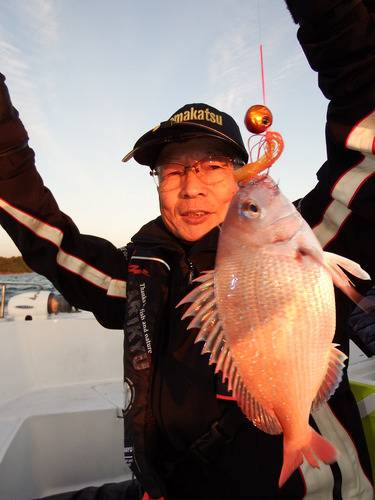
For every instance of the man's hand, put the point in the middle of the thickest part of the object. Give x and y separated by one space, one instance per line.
13 136
6 109
309 11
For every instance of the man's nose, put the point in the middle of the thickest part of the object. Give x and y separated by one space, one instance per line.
192 184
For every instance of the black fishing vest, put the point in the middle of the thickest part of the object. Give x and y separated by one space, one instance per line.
148 286
147 293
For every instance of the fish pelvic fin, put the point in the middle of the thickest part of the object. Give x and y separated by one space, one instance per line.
332 379
317 448
205 316
335 264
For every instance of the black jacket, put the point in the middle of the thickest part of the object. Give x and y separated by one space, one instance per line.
175 390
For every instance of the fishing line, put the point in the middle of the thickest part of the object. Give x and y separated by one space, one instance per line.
262 73
261 60
265 145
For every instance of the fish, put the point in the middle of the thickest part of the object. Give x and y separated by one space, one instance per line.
266 315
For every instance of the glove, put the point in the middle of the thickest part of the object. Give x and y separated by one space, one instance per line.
6 109
370 5
311 11
13 136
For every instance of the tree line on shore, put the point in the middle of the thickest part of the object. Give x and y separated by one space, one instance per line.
13 265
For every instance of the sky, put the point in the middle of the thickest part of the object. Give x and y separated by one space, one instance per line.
90 77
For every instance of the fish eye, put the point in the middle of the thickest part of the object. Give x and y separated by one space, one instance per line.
250 209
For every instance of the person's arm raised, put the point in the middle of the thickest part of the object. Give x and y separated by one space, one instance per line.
338 38
89 271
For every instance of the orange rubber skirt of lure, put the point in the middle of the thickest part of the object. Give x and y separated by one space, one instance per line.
271 146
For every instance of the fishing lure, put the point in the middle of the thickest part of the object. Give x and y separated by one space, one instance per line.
268 148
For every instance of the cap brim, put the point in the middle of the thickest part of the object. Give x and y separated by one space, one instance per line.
148 147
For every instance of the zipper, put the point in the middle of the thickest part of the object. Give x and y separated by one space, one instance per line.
192 270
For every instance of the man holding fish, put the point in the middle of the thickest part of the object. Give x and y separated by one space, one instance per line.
266 412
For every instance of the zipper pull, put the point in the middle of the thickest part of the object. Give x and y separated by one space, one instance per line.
191 271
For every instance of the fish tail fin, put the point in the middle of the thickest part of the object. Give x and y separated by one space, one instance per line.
321 448
292 459
317 448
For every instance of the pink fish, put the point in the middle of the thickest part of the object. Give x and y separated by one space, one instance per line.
267 316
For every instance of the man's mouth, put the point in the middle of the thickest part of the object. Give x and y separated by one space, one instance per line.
195 216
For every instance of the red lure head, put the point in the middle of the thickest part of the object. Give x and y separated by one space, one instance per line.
258 119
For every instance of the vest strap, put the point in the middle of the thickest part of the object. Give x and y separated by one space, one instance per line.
221 433
202 453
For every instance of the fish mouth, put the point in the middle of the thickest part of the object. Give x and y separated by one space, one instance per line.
289 216
290 224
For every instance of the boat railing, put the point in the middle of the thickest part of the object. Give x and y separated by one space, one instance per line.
3 286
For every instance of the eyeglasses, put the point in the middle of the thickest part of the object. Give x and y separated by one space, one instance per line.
210 170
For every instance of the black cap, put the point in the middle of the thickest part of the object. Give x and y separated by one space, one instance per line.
190 121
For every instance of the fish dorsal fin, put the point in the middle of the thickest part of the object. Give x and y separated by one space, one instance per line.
332 378
205 315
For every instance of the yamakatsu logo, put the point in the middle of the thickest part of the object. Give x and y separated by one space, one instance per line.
197 114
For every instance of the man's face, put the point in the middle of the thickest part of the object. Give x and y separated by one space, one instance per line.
193 208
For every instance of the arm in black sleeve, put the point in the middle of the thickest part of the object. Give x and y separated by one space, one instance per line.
338 38
89 271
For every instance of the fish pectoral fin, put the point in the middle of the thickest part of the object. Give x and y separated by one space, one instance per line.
333 264
333 261
332 377
304 250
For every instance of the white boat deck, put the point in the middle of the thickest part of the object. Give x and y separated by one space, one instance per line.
61 396
56 401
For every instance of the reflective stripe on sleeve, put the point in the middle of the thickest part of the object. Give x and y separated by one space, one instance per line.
91 274
117 288
114 287
361 138
333 218
38 227
347 186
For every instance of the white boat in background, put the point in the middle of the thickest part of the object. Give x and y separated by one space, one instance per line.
61 399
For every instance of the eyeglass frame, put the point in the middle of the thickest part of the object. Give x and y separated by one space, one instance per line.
155 172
